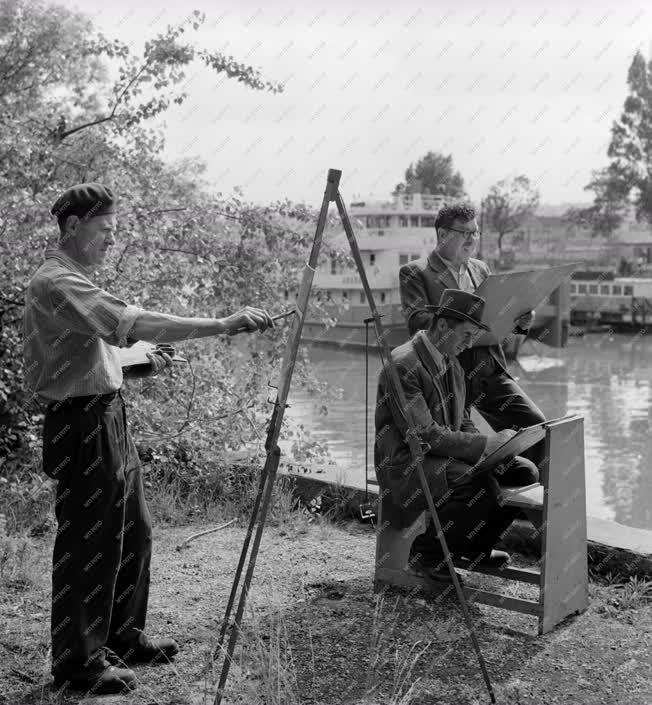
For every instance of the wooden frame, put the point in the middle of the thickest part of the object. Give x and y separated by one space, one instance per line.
557 508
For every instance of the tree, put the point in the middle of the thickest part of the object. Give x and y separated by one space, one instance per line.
180 247
509 204
627 181
434 174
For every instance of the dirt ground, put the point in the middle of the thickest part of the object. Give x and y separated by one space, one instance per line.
314 632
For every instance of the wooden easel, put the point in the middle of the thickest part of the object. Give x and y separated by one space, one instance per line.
270 469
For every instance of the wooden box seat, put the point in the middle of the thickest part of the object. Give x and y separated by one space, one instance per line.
556 507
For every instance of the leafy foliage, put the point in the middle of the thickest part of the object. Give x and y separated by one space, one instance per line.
181 248
434 174
509 204
626 183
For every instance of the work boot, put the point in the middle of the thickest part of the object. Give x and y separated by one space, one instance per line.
433 569
145 650
103 682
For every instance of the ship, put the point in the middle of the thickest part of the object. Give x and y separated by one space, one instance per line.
391 233
602 298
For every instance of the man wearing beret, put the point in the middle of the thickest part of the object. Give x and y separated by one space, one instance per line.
101 558
466 500
490 387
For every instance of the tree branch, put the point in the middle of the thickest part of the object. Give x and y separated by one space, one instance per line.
67 133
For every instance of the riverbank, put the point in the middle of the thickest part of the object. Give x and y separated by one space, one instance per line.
316 633
613 549
575 380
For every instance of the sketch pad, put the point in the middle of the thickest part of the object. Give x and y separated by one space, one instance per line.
135 356
523 440
512 294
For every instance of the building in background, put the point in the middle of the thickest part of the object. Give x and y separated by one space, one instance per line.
390 233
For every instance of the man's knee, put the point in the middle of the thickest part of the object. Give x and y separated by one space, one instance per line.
519 471
524 471
536 414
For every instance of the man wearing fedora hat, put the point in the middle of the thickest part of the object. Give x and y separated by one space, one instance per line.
433 382
102 549
489 385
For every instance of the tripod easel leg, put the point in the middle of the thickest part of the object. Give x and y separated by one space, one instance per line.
412 437
261 505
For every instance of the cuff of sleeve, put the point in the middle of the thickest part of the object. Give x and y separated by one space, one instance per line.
478 446
125 324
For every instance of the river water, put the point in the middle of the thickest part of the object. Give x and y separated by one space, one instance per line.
605 378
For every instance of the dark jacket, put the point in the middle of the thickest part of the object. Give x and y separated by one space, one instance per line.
422 282
435 401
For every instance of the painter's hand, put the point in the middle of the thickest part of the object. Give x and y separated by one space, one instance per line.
160 360
496 440
248 320
525 321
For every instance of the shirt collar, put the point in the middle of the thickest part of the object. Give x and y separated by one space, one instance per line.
450 265
66 259
440 361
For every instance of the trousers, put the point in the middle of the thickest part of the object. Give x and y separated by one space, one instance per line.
102 550
471 518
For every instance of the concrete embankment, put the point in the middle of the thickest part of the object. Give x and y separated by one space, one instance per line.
612 547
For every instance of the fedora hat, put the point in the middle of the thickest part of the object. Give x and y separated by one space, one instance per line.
460 305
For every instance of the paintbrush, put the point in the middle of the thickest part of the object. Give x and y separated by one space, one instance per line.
243 329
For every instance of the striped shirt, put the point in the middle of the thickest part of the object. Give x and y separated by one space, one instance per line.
71 329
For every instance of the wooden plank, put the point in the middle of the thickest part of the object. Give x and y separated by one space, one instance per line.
530 497
564 584
136 355
494 599
525 575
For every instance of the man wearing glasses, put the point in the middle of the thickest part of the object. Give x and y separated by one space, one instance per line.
489 386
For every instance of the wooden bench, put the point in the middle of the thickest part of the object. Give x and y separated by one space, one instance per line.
557 509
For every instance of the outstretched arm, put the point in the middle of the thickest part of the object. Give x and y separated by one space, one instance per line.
85 308
165 328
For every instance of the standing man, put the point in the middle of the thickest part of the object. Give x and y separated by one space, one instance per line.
490 387
101 558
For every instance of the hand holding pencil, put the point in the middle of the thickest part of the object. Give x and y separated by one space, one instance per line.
251 319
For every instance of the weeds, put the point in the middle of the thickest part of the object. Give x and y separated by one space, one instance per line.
17 567
389 664
265 670
634 593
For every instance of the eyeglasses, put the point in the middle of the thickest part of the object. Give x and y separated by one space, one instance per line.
473 234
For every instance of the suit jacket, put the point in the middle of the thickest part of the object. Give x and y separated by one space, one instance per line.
422 282
435 397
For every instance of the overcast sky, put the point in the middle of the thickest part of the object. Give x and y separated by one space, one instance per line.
506 88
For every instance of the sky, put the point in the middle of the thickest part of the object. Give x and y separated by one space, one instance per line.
506 88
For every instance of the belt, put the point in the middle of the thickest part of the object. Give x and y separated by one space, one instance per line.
83 403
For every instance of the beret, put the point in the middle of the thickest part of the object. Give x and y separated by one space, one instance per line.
85 201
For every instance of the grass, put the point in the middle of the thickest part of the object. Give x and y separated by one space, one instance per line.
314 632
300 635
391 662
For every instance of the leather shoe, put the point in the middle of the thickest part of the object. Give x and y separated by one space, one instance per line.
110 680
437 572
491 559
146 650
